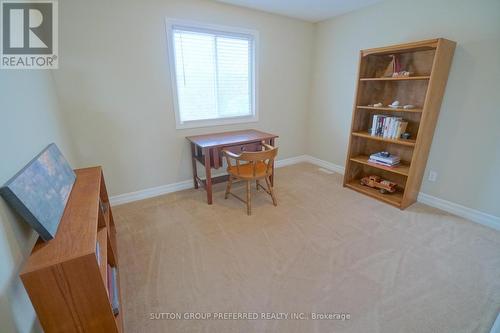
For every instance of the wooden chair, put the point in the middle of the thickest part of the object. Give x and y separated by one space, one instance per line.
256 165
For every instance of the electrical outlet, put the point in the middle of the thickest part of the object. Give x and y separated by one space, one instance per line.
433 175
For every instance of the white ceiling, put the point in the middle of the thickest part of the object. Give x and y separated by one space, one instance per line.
309 10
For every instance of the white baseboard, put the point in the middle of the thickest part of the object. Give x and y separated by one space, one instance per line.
150 192
448 206
459 210
183 185
327 165
291 160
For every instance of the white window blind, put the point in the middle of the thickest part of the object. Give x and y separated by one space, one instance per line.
214 73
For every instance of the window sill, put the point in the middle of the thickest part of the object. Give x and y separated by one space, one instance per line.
216 122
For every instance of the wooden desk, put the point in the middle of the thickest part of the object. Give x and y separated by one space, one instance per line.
207 149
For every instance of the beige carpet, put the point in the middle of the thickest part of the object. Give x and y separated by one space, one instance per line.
324 249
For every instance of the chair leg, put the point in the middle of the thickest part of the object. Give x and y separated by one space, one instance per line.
257 184
269 186
228 187
249 199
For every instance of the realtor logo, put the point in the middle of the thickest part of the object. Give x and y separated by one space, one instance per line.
29 34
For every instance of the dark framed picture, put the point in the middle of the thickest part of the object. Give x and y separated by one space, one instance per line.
40 191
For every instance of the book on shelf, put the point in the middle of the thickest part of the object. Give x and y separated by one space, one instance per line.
115 302
383 163
383 157
113 289
388 127
110 282
98 252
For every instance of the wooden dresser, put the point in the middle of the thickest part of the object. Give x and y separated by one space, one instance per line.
67 277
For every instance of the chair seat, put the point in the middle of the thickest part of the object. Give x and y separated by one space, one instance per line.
246 170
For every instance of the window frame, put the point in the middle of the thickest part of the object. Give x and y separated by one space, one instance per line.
223 31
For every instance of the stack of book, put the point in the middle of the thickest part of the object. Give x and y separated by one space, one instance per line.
383 159
113 289
388 127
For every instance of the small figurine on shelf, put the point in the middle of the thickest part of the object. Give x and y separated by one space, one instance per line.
384 186
401 74
405 135
395 105
385 154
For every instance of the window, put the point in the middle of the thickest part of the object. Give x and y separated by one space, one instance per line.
213 74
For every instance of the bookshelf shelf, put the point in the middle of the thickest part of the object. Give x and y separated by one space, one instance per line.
392 199
366 135
66 278
430 62
388 109
403 168
407 78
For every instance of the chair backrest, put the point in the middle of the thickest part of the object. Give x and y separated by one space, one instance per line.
269 153
266 156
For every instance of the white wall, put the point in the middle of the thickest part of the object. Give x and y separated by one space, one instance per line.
115 87
29 121
466 147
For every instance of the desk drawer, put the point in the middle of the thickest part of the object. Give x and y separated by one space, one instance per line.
237 149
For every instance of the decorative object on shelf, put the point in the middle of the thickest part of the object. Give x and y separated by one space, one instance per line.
394 105
406 135
384 186
394 68
378 105
401 74
385 154
40 191
408 106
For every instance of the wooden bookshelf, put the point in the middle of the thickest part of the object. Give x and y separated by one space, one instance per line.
65 280
429 61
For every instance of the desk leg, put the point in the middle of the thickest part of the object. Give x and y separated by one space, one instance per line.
193 159
271 142
208 173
